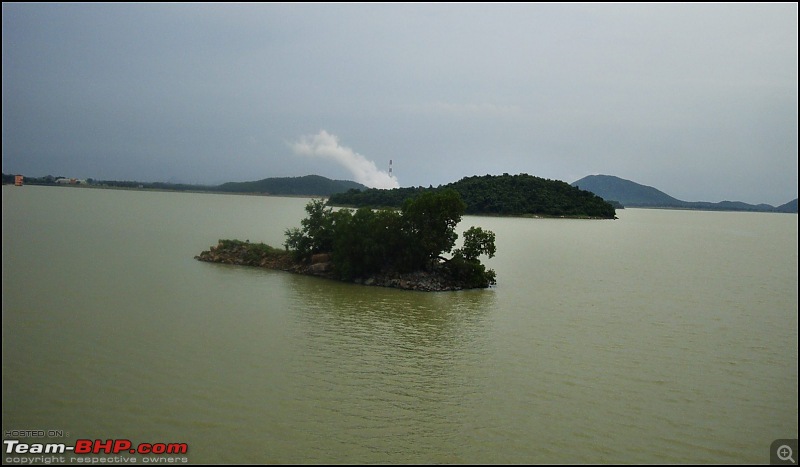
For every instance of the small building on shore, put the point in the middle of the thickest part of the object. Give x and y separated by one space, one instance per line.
18 179
70 181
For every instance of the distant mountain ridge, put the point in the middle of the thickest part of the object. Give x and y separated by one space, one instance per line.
309 185
632 194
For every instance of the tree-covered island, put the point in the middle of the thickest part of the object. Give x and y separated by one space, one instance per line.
384 247
502 195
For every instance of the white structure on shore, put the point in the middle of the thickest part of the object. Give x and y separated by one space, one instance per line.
70 181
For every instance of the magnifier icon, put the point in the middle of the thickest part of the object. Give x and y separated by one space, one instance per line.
785 454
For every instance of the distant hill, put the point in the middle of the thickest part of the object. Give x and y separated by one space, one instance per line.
632 194
791 206
512 195
626 192
309 185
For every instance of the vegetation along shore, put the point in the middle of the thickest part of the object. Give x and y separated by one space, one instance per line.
385 247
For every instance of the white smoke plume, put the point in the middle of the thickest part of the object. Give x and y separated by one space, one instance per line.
326 145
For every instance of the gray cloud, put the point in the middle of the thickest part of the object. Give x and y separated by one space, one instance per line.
699 100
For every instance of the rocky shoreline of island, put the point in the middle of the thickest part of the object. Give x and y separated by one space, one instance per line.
236 252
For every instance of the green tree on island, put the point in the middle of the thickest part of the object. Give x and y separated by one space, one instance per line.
367 242
429 222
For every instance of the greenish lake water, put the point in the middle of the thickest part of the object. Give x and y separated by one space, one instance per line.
661 337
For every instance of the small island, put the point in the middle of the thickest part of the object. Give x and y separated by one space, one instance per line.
386 247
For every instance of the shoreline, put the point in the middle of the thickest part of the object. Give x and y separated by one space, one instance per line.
324 197
340 206
236 252
167 190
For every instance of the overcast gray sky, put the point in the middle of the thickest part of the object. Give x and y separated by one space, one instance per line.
697 100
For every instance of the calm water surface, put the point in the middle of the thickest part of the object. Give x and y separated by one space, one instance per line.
662 337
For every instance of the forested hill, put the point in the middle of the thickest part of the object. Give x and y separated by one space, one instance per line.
632 194
512 195
310 185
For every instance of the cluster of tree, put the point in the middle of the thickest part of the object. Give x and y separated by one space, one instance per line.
377 197
46 180
309 185
153 185
513 195
366 242
52 180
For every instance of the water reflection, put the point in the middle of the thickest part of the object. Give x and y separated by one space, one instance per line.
419 318
388 367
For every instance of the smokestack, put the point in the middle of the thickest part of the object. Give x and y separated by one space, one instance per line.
390 167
